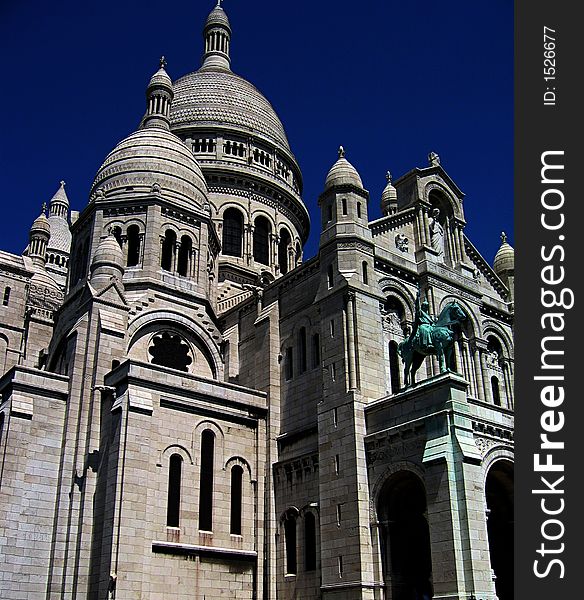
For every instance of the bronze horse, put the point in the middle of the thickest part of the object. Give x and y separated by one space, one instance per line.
441 337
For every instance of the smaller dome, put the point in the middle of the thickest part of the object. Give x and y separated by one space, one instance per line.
160 78
60 235
60 198
217 17
152 158
505 258
108 254
342 173
388 196
41 282
41 224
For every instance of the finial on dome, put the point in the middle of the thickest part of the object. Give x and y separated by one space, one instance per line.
503 237
341 152
219 3
163 62
63 184
388 176
44 209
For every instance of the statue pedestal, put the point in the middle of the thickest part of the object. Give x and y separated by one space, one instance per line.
427 429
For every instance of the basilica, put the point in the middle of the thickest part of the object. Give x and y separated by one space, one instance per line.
190 409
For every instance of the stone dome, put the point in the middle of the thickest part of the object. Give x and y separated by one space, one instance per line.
108 253
152 159
60 234
40 225
388 196
160 78
217 17
60 240
218 97
505 258
342 173
41 283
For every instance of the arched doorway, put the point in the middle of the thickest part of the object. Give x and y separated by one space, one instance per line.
405 538
499 490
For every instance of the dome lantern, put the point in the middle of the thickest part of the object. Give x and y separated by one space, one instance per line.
59 206
40 232
159 95
217 36
388 198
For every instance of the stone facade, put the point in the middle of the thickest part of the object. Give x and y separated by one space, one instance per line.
190 410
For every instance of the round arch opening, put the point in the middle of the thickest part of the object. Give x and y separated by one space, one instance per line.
499 490
405 537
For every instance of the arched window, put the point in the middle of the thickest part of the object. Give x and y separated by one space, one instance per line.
232 232
289 364
302 350
358 210
6 299
315 350
117 233
168 246
133 245
174 484
393 367
236 498
283 251
206 481
261 241
290 540
496 391
298 254
344 201
365 275
309 542
330 276
184 256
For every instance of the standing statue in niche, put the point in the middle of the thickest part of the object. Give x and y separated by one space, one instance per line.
437 232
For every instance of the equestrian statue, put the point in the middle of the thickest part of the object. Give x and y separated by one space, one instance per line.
429 337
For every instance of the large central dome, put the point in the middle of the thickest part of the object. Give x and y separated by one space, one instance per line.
218 97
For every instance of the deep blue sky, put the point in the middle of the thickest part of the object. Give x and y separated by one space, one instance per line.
390 81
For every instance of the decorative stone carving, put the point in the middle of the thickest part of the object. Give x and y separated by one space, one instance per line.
401 242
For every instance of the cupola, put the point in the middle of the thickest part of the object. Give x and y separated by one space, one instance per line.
217 34
342 173
40 232
108 262
504 265
159 95
388 198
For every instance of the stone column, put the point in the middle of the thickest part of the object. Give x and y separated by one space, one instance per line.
141 237
486 383
426 226
508 383
351 340
420 227
461 244
478 374
175 250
